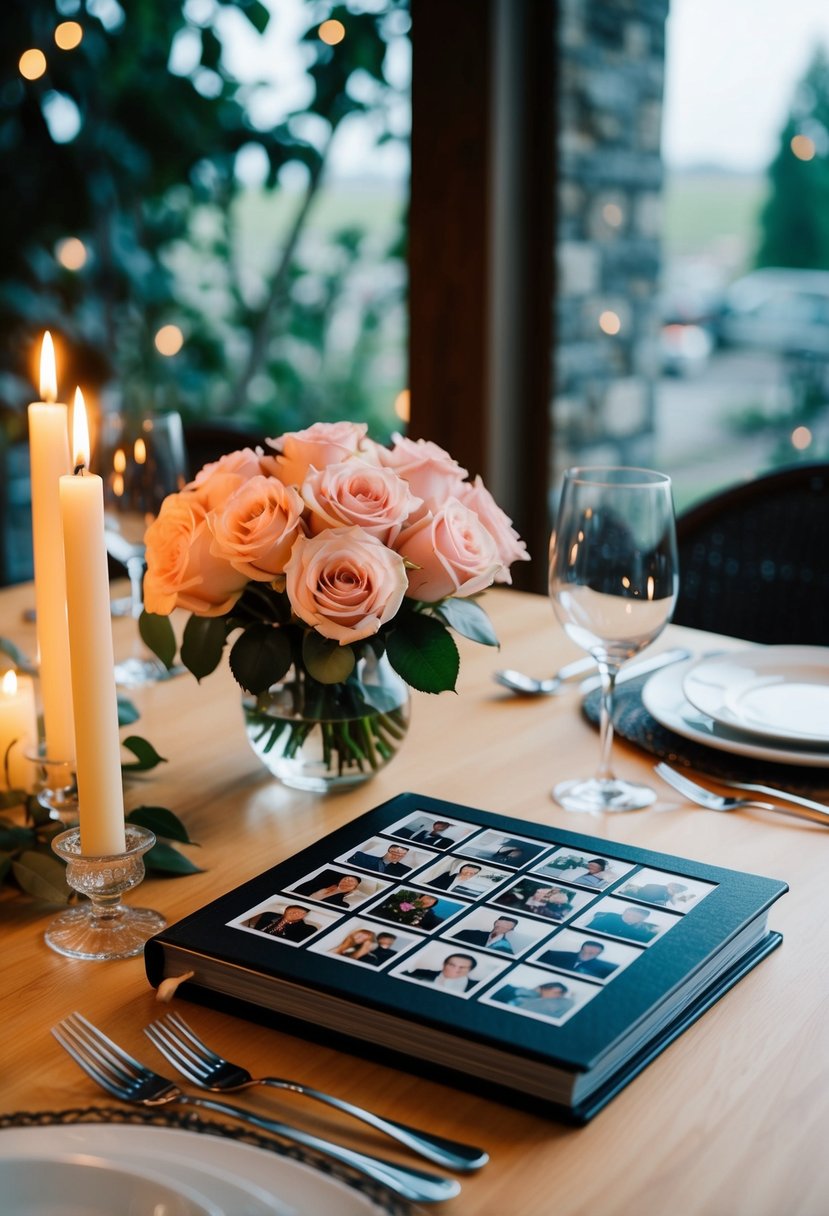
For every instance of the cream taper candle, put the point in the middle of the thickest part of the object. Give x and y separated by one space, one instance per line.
49 460
98 745
18 731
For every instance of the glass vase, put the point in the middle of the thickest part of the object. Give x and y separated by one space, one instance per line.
324 737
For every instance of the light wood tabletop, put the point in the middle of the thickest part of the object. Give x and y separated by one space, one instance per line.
729 1121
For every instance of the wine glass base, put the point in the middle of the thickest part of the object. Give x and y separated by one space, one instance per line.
135 673
596 796
81 933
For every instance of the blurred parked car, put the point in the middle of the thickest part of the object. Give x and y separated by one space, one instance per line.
778 310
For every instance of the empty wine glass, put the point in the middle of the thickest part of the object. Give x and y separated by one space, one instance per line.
142 460
613 584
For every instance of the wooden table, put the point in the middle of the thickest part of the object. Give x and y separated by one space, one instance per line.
730 1120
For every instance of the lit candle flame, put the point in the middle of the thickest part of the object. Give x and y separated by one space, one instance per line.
48 374
80 432
139 451
9 684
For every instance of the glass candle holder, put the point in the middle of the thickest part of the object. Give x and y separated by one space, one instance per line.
104 928
57 787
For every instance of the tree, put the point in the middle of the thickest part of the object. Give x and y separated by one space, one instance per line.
795 220
140 163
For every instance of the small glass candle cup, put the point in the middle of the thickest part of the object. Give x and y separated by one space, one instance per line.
104 928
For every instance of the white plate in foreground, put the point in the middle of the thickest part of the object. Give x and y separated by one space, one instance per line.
83 1185
240 1179
772 692
665 700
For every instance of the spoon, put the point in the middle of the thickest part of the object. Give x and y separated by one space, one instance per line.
516 681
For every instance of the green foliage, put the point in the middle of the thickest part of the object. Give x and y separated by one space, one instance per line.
423 653
259 657
146 757
469 620
326 661
157 633
795 220
150 184
202 645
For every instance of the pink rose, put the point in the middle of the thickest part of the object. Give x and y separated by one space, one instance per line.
318 445
215 483
358 493
345 583
511 547
452 552
256 527
431 472
404 907
181 570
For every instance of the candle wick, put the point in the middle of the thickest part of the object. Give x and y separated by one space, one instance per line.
80 468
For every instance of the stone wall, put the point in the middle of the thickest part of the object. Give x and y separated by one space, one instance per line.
612 59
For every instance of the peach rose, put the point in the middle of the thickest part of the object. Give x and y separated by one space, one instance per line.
255 529
355 492
431 472
452 551
318 445
345 583
511 547
181 570
214 484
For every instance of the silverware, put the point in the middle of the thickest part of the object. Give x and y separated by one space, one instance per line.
716 802
529 686
125 1078
179 1044
641 668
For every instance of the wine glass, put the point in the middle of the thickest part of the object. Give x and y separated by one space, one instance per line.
613 584
142 461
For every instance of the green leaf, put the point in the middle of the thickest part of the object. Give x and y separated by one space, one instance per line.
16 838
202 644
42 876
161 821
127 712
423 652
21 661
468 619
10 798
326 661
259 657
157 633
258 14
164 859
146 755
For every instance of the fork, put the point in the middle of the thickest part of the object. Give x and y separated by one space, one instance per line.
130 1081
716 802
182 1047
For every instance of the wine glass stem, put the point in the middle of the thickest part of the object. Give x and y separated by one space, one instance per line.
608 677
135 570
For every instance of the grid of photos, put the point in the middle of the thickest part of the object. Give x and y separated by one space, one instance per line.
477 914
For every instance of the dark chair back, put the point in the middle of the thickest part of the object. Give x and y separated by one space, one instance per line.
207 441
754 559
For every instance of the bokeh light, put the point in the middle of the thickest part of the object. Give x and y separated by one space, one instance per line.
803 147
609 322
332 32
71 253
801 438
32 64
169 340
402 405
68 35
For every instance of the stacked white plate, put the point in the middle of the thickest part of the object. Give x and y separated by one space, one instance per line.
768 702
98 1169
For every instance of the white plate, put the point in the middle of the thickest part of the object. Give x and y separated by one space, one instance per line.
664 699
770 692
83 1185
241 1179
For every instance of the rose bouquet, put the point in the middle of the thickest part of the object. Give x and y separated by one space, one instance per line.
325 554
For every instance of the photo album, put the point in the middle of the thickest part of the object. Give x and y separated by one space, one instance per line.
536 965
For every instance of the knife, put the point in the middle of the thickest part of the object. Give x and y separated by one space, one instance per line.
783 795
640 668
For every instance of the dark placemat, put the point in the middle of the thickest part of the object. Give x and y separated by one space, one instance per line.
187 1122
632 722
